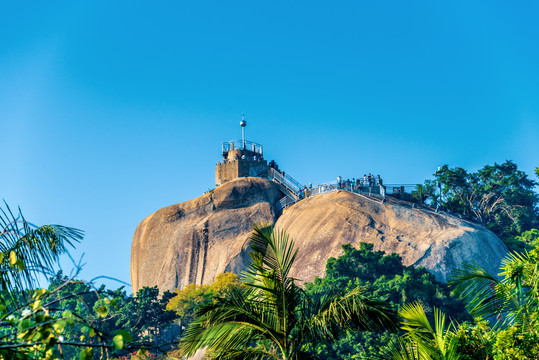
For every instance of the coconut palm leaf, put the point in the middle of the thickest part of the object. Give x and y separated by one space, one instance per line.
401 349
477 288
272 317
26 250
246 354
512 299
421 340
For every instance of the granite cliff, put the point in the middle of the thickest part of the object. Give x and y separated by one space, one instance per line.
194 241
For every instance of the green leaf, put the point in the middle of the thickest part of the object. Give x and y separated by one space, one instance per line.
12 258
102 311
68 316
39 292
118 341
121 337
59 326
20 264
125 334
86 354
37 336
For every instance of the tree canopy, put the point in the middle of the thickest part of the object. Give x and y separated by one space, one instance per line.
388 280
71 317
272 317
500 197
193 297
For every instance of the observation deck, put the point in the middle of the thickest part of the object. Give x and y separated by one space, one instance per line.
241 145
241 158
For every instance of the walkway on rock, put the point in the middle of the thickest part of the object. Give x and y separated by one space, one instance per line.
295 191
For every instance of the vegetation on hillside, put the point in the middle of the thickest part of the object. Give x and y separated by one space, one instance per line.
272 317
386 279
498 196
70 318
351 313
193 297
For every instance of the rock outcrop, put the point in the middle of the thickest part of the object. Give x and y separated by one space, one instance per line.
194 241
321 224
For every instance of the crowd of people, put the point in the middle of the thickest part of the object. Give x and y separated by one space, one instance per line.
369 180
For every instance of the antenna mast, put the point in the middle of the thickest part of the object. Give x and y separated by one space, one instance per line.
243 123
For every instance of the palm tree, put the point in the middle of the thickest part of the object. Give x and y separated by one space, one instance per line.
513 300
272 317
421 341
27 251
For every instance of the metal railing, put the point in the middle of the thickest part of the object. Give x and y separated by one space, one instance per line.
295 188
376 190
241 145
396 189
284 202
286 180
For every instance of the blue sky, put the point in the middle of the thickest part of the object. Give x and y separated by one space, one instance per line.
110 111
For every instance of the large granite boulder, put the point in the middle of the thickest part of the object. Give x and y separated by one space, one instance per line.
194 241
321 224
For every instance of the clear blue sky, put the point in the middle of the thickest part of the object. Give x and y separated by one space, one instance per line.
112 110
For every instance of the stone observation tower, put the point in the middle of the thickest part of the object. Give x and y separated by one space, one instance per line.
241 158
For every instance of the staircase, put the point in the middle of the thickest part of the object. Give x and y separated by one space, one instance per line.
290 186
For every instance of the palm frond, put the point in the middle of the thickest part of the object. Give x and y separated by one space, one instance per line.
477 288
424 341
274 313
231 323
330 314
256 353
272 250
399 349
26 250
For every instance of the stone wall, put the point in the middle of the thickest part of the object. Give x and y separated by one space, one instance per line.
227 170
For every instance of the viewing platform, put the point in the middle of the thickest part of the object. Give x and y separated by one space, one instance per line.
235 145
242 158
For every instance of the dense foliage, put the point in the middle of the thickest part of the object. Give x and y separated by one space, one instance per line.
71 318
271 317
388 280
110 312
510 302
498 196
187 301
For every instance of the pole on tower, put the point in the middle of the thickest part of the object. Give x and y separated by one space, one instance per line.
243 123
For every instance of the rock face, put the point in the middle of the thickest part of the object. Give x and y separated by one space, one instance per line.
321 224
194 241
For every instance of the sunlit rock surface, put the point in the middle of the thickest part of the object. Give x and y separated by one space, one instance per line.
194 241
321 224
